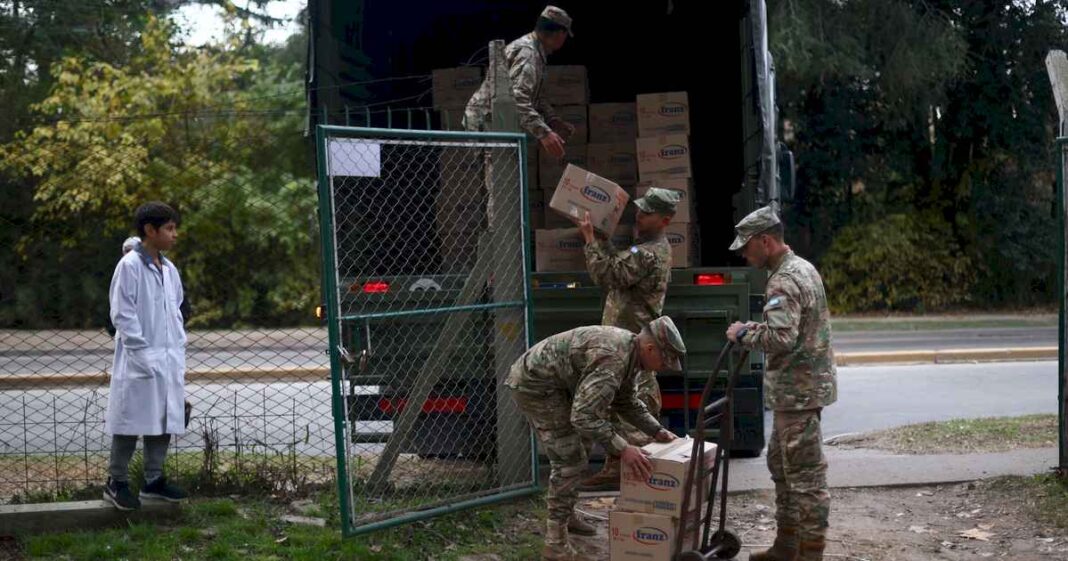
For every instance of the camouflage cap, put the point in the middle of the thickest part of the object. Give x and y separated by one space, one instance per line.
657 200
756 222
559 17
668 339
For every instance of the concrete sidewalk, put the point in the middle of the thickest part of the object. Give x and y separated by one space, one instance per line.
876 468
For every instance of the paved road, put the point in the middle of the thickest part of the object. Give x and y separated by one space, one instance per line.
973 338
307 351
277 416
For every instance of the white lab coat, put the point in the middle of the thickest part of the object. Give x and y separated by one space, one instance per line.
148 378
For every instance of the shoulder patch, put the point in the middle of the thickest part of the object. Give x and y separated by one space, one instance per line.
634 249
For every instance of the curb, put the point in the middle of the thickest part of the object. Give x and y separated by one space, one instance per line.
946 356
269 375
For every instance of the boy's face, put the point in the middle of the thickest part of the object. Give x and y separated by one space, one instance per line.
162 238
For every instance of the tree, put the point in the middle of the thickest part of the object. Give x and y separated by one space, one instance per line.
211 131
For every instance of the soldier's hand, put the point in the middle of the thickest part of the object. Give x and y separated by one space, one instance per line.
732 331
634 461
665 435
564 128
585 227
553 144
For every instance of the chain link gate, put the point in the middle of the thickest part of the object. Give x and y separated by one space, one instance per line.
427 292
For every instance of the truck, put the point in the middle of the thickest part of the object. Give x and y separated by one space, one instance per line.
367 67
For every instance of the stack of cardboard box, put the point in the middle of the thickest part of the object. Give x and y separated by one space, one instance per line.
646 522
663 149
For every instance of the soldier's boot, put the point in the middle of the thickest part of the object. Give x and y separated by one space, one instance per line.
605 480
812 550
557 548
785 548
579 526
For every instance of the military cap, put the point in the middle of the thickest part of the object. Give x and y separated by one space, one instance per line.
559 17
756 222
657 200
668 339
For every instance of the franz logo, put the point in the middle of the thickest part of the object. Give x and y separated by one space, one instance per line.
648 535
467 83
621 158
570 244
622 118
662 482
673 152
675 239
673 109
595 194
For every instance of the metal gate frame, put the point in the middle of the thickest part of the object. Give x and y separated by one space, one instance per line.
333 316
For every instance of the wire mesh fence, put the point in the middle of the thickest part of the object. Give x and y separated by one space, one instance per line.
429 307
248 252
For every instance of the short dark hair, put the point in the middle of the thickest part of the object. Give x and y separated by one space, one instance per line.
155 213
777 231
546 25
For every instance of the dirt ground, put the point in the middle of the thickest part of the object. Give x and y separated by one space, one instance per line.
983 520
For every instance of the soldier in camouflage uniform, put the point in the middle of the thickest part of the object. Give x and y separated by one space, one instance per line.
636 280
799 381
527 61
565 386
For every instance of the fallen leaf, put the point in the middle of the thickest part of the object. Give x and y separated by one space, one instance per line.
918 530
282 540
985 526
925 494
376 548
976 534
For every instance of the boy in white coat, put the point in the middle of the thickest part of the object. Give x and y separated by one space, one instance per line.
147 395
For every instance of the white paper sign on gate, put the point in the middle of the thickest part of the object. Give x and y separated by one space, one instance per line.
354 158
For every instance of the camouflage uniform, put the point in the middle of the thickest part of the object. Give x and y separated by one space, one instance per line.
527 68
800 380
565 386
636 280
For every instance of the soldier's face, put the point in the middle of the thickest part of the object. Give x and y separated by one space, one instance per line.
650 355
650 222
555 41
755 252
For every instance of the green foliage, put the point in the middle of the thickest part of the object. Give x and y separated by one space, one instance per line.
216 133
924 108
898 263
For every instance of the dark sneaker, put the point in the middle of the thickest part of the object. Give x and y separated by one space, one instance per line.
161 490
118 493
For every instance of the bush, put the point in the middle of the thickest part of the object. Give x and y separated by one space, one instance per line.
902 262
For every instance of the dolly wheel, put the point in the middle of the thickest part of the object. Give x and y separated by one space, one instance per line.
690 556
729 544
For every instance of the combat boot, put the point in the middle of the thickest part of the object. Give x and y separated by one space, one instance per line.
785 547
605 480
580 526
557 547
812 550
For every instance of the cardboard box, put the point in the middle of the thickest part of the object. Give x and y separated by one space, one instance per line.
566 85
576 116
685 244
550 169
635 536
664 157
580 191
684 212
453 87
451 118
563 249
532 164
662 493
559 250
613 122
617 161
663 113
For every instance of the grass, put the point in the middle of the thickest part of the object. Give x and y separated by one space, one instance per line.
251 530
962 436
1045 496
